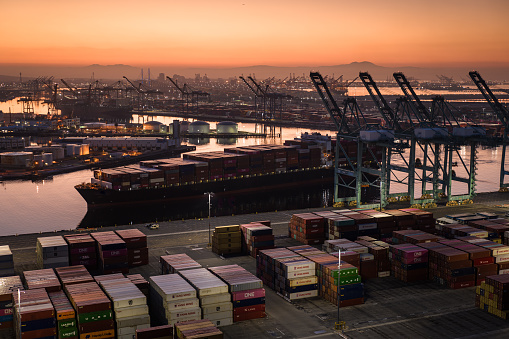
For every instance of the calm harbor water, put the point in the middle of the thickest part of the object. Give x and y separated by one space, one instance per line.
50 205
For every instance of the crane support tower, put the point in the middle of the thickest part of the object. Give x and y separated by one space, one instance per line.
503 115
362 157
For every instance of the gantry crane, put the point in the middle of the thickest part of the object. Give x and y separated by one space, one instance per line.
189 95
503 115
258 96
272 102
440 136
361 149
141 94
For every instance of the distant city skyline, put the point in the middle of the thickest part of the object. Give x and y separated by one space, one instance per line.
228 33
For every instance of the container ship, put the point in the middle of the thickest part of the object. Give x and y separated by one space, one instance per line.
232 172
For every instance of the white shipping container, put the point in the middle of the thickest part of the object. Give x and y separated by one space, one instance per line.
133 321
215 299
183 304
502 258
172 287
214 308
178 314
126 312
299 274
205 282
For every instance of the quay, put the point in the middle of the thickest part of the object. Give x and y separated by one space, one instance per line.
392 308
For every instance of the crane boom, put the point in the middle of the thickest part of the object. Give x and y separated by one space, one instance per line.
387 113
70 88
499 109
420 110
330 104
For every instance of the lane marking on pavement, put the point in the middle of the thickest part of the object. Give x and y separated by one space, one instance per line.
407 320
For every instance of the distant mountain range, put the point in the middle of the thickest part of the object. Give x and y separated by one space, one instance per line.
349 71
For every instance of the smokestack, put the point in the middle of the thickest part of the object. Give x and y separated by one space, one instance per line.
142 75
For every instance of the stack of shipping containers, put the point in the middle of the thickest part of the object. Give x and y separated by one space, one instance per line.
6 261
492 295
197 329
8 287
67 326
409 263
136 243
215 301
112 252
255 237
82 250
45 278
129 306
93 309
247 292
52 252
172 299
307 228
173 263
34 315
156 332
226 240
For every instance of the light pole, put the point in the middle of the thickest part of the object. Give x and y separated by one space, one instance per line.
209 194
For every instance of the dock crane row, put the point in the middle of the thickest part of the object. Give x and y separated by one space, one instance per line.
271 106
503 115
381 156
439 136
190 95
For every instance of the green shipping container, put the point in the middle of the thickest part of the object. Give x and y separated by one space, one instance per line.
67 323
94 316
68 333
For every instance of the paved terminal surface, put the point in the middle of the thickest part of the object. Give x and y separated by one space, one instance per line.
392 309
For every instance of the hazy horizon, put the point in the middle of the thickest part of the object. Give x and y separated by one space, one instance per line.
228 33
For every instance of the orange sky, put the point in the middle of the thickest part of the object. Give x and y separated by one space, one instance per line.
253 32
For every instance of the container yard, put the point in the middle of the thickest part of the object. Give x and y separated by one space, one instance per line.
371 302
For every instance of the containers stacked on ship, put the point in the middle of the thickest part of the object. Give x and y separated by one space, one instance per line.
136 243
174 263
93 309
34 315
112 252
45 278
129 306
227 240
493 295
250 160
6 261
82 250
67 326
215 163
70 275
256 237
52 252
307 228
8 287
247 292
172 299
196 329
156 332
215 301
409 262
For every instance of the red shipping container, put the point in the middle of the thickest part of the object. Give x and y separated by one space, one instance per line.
249 316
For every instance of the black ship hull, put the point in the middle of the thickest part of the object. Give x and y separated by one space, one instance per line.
94 113
222 188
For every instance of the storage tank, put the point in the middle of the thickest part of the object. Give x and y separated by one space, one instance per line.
199 127
227 127
154 126
70 150
16 159
58 152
